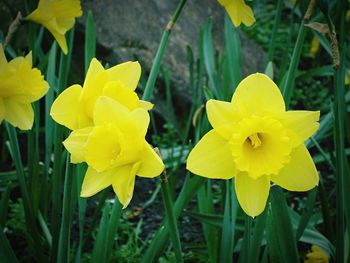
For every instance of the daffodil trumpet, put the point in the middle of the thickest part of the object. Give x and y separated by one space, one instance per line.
256 141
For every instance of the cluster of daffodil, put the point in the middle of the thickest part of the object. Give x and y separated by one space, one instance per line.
109 125
254 139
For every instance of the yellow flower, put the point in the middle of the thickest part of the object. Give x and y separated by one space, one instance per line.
255 140
20 85
317 255
347 77
115 149
315 45
239 12
58 16
74 107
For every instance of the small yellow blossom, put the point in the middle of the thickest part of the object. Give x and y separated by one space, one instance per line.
20 85
347 77
115 149
74 107
239 12
315 45
317 255
255 140
58 16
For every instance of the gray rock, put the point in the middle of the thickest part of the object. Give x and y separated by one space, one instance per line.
133 29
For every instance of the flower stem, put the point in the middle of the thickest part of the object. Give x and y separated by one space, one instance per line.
147 95
172 222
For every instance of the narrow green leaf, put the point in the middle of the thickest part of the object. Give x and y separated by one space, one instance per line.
281 237
6 252
90 40
100 248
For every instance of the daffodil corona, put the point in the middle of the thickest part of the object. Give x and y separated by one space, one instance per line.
74 107
58 16
20 86
239 12
255 140
115 149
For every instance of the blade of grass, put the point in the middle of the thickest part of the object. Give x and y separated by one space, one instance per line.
99 252
29 214
113 226
170 217
191 186
209 62
306 215
229 223
147 95
288 85
63 245
90 40
6 252
64 67
281 237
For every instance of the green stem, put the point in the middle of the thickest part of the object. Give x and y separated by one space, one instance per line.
172 222
147 95
28 208
63 245
339 123
288 85
274 31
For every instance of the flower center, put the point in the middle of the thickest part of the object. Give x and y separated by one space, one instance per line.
255 140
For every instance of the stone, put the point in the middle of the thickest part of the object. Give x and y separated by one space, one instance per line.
132 30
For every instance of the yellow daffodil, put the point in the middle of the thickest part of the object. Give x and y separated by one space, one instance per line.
58 16
315 45
239 12
74 107
255 140
317 255
20 85
115 149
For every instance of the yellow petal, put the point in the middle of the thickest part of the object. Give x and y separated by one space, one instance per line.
299 174
124 95
108 110
67 109
18 114
124 182
257 94
212 157
75 144
103 147
252 194
128 73
239 12
95 68
145 104
222 117
61 39
3 60
2 110
151 164
95 181
303 124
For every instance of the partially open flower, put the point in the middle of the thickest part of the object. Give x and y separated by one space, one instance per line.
239 12
58 16
255 140
74 107
20 85
115 149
